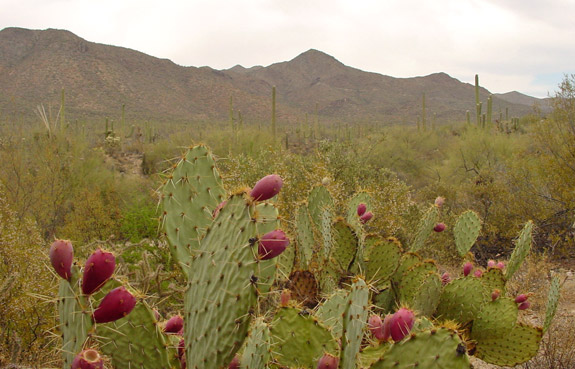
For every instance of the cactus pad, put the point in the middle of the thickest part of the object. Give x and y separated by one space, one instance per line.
434 349
330 312
466 230
462 299
189 195
257 350
493 279
425 228
299 340
552 301
305 238
382 257
345 244
518 346
221 291
354 321
522 247
304 287
496 319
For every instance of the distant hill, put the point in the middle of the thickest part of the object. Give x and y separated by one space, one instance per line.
36 65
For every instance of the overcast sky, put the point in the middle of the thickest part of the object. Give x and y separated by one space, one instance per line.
522 45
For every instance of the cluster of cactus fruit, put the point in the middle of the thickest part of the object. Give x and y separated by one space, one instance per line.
254 299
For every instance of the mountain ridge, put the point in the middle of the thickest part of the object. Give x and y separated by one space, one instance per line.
35 65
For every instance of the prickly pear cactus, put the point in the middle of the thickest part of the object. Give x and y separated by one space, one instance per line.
466 230
522 247
75 319
552 302
354 320
257 351
222 290
425 228
189 196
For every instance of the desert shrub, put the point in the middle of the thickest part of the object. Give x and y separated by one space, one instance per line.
25 316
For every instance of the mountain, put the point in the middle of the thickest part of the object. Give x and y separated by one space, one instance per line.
35 65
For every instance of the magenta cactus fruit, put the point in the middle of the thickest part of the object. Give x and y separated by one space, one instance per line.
361 208
375 325
445 278
439 227
272 244
98 269
491 264
366 217
524 305
328 361
182 353
521 298
285 297
439 201
174 325
478 273
61 257
267 187
88 359
467 268
495 295
401 324
235 363
386 326
500 265
115 305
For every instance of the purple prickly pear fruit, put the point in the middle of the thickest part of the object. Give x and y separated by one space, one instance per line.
387 326
328 361
61 257
285 297
267 187
272 244
491 264
174 325
467 268
521 298
500 265
439 227
439 201
218 208
115 305
401 324
445 278
235 363
495 295
524 305
361 208
157 314
478 273
98 269
88 359
375 325
366 217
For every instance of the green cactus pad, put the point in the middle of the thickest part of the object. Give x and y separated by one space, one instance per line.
427 297
434 349
496 319
517 347
136 341
408 260
221 291
385 298
299 339
344 244
372 354
552 302
75 318
189 196
522 247
319 200
257 350
382 257
331 311
493 279
354 321
326 233
305 238
412 279
425 227
466 230
285 262
462 299
266 216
